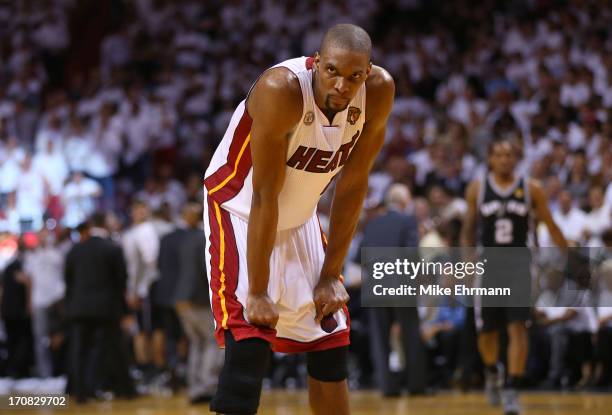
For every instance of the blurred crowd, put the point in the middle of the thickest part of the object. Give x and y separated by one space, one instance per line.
117 106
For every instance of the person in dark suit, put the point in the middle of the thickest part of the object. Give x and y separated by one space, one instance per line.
193 306
166 326
394 228
15 312
95 275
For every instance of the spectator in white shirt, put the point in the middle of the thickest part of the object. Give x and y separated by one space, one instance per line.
51 132
115 51
574 91
31 196
578 179
78 146
564 311
52 165
137 129
52 34
570 220
598 219
79 199
10 168
141 248
163 122
9 220
44 267
103 162
173 191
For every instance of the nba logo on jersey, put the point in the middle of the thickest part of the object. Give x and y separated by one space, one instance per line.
353 115
309 118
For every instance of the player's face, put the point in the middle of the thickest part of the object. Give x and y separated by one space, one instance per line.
502 159
340 74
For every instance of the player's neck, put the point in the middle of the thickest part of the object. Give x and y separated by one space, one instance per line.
503 180
329 115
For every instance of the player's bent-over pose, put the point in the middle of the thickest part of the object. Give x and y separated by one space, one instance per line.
274 279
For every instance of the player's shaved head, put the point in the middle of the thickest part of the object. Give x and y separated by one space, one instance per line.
347 37
341 67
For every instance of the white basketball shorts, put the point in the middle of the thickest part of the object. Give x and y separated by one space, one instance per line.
295 265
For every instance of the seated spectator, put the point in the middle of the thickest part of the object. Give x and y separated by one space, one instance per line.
10 169
9 217
569 218
79 199
51 132
565 313
31 193
52 165
598 219
78 145
578 180
442 334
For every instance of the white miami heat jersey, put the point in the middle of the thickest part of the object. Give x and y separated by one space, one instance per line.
316 152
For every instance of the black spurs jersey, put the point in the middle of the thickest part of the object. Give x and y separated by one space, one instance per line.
504 215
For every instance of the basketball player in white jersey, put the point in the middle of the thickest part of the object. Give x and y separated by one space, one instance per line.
274 279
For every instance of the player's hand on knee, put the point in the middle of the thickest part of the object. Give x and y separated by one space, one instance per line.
261 311
329 296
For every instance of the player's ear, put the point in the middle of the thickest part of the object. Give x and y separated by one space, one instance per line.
369 70
317 58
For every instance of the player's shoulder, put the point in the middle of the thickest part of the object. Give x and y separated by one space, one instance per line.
380 83
279 82
277 88
380 92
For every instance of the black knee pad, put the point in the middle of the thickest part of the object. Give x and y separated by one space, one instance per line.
328 365
239 389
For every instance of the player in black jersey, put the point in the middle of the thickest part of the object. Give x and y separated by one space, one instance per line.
500 209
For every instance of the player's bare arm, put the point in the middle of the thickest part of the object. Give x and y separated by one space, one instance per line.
540 205
275 105
468 230
351 189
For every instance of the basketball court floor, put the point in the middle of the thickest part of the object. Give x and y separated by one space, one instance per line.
362 403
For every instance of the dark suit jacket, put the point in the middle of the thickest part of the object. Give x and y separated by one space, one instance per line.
14 301
193 282
395 229
96 276
392 229
162 291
